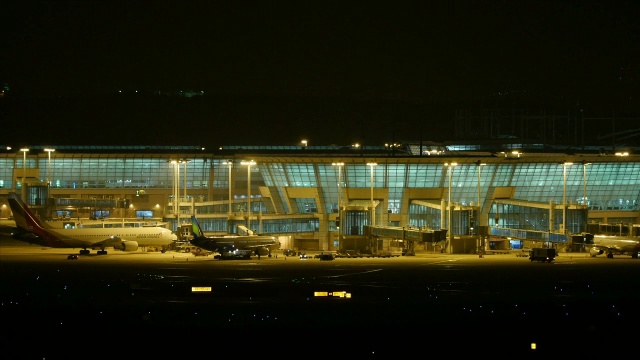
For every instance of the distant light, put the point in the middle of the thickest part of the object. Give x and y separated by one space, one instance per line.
533 346
340 294
512 154
201 289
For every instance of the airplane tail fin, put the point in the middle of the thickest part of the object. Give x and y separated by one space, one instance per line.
195 227
30 223
24 218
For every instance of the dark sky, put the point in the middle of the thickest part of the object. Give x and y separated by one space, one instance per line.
357 66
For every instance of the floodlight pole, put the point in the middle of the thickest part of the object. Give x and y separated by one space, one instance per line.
248 164
24 173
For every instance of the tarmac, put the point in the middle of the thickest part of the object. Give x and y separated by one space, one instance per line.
148 303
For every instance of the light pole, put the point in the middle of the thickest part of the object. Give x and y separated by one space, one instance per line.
176 190
450 166
339 165
584 181
24 173
49 151
564 196
229 163
480 165
248 164
584 188
184 181
373 209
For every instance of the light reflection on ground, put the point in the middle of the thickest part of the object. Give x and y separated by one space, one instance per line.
396 306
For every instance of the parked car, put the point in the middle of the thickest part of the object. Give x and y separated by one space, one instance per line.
326 257
72 257
289 252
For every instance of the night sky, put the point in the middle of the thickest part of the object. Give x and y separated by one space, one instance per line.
330 72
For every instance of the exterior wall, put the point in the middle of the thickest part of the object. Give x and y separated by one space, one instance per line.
611 184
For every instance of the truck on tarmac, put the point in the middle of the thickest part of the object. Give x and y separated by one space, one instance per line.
542 254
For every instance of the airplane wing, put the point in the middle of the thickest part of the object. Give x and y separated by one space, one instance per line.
595 250
114 241
253 247
110 241
9 230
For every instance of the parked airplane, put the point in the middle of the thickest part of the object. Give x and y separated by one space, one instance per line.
233 246
612 244
122 238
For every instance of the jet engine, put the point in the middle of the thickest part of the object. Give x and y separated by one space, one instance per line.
127 246
262 251
594 251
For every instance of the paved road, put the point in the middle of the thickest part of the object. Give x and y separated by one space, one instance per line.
465 305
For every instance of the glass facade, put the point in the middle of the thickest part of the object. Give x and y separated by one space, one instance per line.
599 185
609 186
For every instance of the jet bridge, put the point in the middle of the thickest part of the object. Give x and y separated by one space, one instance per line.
529 235
409 236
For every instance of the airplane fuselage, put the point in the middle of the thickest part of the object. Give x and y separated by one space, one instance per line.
230 243
619 244
144 237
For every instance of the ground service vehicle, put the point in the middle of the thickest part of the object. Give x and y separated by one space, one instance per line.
325 257
542 254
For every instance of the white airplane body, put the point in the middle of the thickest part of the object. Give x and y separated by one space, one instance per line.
120 238
612 244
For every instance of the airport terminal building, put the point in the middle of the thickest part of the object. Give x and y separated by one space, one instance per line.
456 197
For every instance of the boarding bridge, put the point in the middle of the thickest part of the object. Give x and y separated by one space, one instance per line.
494 224
408 236
413 236
530 235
